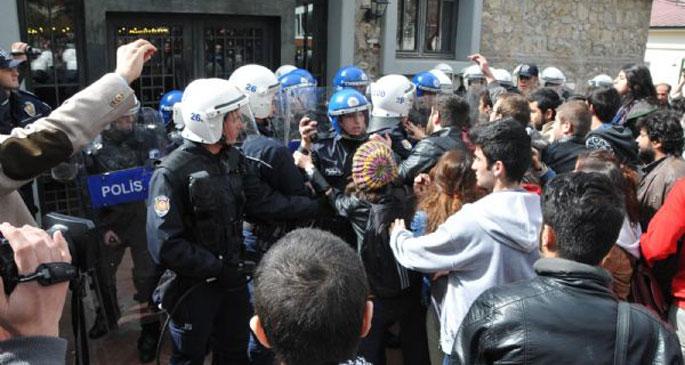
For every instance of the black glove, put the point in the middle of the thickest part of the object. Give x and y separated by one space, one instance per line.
318 182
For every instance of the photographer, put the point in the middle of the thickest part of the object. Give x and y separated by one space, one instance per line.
27 152
29 316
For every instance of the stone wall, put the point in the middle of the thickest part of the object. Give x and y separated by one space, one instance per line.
582 38
367 38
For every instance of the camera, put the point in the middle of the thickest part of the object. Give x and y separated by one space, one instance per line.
75 231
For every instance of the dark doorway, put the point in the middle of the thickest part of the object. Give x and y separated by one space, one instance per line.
311 37
193 46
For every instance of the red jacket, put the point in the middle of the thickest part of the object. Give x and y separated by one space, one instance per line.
665 229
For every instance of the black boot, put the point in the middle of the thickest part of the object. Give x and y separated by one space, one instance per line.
147 342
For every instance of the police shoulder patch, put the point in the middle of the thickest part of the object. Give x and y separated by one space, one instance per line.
30 109
162 205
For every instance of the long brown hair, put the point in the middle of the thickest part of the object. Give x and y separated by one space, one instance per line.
454 184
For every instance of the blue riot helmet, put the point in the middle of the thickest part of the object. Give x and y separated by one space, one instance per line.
350 77
426 82
297 79
345 101
166 105
298 89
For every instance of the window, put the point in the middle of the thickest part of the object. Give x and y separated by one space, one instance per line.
51 29
426 27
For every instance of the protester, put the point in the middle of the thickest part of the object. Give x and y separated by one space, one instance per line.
451 184
543 103
567 314
662 242
526 75
571 125
376 199
619 261
449 119
487 243
604 102
663 93
27 152
660 142
311 300
634 84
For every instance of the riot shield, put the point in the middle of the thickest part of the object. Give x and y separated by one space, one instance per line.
119 166
310 102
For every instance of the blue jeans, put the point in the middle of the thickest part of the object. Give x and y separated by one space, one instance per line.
447 360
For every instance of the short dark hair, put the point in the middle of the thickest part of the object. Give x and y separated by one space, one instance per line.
664 126
454 111
547 99
605 102
586 211
514 106
505 141
310 295
577 113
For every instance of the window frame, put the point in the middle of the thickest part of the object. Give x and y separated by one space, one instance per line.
466 42
420 41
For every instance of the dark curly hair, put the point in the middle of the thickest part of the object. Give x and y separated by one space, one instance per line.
664 126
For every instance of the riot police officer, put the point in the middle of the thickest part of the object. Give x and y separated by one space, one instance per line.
332 156
173 126
194 227
393 96
126 144
351 77
281 194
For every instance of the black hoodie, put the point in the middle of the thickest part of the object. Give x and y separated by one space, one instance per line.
616 139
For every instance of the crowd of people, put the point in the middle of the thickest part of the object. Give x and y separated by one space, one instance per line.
476 218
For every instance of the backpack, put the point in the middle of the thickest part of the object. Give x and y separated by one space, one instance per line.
387 278
646 289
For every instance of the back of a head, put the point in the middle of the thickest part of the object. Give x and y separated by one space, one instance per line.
310 294
605 102
547 98
454 111
506 141
623 178
578 114
514 106
586 212
664 126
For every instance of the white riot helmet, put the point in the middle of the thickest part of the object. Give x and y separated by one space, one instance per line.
392 96
601 80
260 84
473 72
446 85
203 107
552 76
284 70
503 76
447 69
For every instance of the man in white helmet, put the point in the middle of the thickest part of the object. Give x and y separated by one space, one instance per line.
194 226
277 198
392 97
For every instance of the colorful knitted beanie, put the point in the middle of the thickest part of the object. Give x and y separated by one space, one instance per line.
373 166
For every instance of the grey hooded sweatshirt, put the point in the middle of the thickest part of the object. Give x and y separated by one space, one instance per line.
491 242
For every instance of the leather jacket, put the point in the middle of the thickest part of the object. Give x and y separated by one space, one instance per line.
427 152
659 177
566 315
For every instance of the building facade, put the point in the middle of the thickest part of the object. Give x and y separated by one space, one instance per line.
665 52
